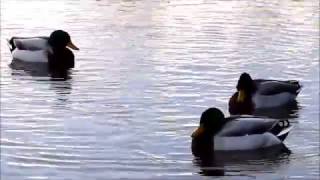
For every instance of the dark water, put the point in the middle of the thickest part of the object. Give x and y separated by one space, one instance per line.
145 72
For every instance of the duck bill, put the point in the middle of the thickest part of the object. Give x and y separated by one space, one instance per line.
198 132
241 96
72 46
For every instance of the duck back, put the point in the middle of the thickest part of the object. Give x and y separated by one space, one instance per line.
36 43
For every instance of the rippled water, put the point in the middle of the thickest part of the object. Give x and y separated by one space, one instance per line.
145 72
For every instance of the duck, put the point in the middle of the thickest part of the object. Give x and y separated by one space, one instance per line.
237 133
253 94
51 50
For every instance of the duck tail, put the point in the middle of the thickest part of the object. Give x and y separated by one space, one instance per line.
10 44
284 133
299 89
281 129
297 85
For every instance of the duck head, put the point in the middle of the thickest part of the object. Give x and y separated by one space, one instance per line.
245 87
211 121
61 58
60 40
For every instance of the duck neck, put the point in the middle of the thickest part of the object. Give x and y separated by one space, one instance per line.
58 49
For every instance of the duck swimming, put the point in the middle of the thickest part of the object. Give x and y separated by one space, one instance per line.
52 50
237 133
261 93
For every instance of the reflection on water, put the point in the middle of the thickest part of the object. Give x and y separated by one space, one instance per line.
220 162
145 72
38 70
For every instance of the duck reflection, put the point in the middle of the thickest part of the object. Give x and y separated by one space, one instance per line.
39 70
60 81
217 163
62 88
208 166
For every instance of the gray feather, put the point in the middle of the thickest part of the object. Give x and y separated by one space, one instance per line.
271 87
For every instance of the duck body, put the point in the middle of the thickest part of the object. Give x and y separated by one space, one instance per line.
33 50
249 133
262 93
237 133
246 142
50 50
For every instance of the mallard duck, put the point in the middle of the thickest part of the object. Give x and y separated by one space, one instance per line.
237 133
261 93
51 50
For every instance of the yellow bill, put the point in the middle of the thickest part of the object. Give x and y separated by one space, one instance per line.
241 96
72 46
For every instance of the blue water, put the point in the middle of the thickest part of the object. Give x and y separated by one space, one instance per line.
144 73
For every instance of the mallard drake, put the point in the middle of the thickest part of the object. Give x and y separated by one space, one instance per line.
261 93
237 133
51 50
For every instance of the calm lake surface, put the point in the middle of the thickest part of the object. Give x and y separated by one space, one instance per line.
145 72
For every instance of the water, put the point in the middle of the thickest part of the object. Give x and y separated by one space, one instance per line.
144 73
